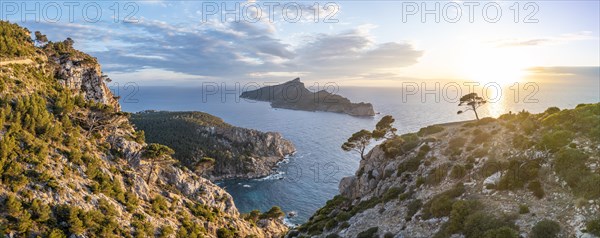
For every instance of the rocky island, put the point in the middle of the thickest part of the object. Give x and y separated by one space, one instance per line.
212 148
294 95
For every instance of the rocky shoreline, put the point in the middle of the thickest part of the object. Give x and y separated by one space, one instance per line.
212 148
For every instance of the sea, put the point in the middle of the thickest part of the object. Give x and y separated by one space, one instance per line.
307 179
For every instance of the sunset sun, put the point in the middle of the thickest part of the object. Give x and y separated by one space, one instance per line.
486 65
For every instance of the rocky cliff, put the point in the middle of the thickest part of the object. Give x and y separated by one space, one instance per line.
293 95
82 74
213 148
522 175
72 165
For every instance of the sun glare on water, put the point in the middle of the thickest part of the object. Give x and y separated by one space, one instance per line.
486 65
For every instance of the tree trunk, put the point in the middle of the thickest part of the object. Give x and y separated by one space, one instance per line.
475 111
362 153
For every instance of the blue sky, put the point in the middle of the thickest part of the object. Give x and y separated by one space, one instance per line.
369 44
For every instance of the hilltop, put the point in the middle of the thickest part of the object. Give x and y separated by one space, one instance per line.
72 164
521 175
293 95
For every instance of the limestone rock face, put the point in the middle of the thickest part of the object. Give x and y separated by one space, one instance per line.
84 77
267 149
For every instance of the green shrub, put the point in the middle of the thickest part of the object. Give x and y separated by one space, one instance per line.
140 137
456 144
545 229
226 233
458 171
411 140
461 209
523 209
333 236
420 181
13 206
392 193
388 235
536 188
551 110
274 213
166 231
430 130
412 208
519 172
409 165
201 210
40 211
555 140
593 226
441 204
485 121
521 142
369 233
481 138
343 216
159 204
502 232
143 228
438 174
344 225
589 187
330 224
529 126
56 233
570 166
478 223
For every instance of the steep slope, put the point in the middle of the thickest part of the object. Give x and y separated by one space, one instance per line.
211 147
71 163
293 95
522 174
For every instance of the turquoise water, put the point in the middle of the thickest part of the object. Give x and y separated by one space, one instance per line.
310 177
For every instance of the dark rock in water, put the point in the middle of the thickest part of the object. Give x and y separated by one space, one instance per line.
293 95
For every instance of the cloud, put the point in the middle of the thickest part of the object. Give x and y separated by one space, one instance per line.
584 35
587 72
230 50
353 52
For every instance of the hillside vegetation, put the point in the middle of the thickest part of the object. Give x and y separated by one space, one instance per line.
521 175
210 147
71 164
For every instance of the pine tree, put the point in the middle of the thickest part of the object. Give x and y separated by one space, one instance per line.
41 212
13 206
75 224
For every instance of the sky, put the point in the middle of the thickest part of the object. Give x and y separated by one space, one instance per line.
356 43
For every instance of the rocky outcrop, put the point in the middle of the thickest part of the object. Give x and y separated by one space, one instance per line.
490 164
254 154
199 138
83 75
293 95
